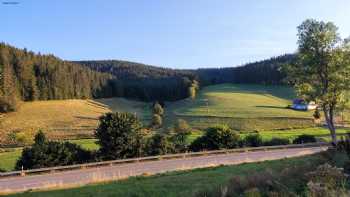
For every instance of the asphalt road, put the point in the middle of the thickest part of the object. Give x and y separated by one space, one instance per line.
106 173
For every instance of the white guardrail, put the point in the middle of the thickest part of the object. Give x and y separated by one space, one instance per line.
152 158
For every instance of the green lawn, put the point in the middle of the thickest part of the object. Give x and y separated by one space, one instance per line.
8 159
293 133
185 183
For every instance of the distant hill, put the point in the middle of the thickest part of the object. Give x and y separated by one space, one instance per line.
145 82
261 72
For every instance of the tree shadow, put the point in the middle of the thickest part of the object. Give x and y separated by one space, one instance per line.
270 106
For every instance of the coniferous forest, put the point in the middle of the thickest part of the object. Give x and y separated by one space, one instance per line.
27 76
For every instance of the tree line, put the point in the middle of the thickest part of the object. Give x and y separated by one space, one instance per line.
144 82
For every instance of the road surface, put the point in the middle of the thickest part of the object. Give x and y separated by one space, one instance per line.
122 171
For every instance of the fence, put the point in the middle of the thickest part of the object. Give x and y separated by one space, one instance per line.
152 158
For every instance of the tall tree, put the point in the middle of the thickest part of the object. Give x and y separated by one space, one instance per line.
322 70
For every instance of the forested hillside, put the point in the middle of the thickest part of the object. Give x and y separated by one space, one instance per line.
26 76
260 72
148 83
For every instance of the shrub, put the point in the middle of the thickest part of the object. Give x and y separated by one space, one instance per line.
218 137
45 153
181 126
305 138
253 140
327 181
159 144
120 136
277 141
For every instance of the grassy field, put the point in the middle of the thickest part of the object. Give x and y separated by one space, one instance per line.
185 183
67 118
243 101
242 107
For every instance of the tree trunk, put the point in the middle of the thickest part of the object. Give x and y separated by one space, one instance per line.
329 116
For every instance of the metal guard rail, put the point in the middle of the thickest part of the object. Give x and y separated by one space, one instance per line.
159 157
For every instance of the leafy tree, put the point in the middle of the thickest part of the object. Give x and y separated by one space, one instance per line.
218 137
322 72
120 136
158 109
156 120
160 144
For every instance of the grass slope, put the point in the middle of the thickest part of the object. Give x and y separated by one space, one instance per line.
185 183
243 107
67 118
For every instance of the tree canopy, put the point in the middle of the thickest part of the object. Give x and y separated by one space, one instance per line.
322 70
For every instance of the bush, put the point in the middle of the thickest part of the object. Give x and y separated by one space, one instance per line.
327 181
120 136
253 140
305 138
159 145
45 153
181 126
219 137
277 141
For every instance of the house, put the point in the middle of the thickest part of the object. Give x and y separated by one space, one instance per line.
301 104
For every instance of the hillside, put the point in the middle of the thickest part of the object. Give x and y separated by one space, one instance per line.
26 76
65 119
243 107
144 82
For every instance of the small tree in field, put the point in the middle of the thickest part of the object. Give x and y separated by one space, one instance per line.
157 120
322 70
158 109
120 136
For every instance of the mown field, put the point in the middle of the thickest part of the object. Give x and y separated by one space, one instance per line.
243 107
62 119
184 183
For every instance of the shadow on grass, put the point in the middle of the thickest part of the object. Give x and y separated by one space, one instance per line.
270 106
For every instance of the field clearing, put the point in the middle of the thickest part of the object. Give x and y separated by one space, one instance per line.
184 183
67 118
243 101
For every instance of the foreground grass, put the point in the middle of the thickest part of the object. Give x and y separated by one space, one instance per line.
185 183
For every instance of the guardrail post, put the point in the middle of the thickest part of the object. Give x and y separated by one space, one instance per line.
22 172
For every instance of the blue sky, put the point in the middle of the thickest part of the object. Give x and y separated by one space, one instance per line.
171 33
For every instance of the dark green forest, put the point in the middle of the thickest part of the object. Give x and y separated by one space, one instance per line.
267 72
26 76
144 82
29 76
